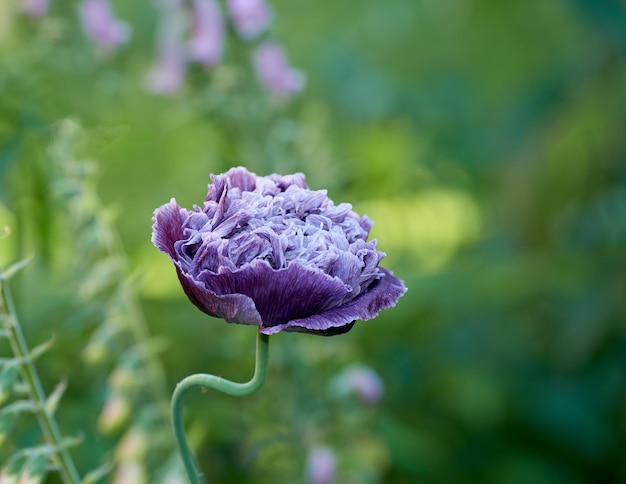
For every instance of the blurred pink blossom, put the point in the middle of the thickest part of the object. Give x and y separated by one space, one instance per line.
273 71
321 464
207 34
34 8
168 73
250 17
100 25
361 380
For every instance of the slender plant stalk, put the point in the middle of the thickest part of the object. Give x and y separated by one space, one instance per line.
64 153
47 422
222 385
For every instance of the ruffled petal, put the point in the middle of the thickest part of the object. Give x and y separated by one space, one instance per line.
167 227
234 308
382 294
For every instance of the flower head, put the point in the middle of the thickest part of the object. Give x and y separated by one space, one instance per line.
100 25
250 17
273 71
270 252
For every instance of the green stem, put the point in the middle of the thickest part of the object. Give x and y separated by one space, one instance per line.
222 385
47 422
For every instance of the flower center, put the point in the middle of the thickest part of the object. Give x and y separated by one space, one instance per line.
278 225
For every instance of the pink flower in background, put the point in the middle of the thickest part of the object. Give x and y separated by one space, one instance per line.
250 17
360 380
100 25
207 35
34 8
273 71
321 464
168 74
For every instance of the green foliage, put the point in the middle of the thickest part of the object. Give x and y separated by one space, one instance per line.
486 141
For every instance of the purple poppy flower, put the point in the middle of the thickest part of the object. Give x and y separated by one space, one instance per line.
274 72
34 8
207 36
100 25
250 17
269 251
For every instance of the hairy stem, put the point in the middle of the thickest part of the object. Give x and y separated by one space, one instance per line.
47 422
222 385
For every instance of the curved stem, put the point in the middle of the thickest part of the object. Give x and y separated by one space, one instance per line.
222 385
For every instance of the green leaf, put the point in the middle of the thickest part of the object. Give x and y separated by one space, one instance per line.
9 151
53 400
12 470
6 425
34 469
98 473
18 407
40 349
9 374
15 268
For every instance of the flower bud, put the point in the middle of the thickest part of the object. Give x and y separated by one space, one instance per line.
274 72
101 26
360 380
133 446
321 464
115 413
250 17
207 33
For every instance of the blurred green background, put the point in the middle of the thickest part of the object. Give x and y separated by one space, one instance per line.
487 141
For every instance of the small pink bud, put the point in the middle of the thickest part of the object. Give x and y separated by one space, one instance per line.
250 17
321 465
273 71
207 32
101 26
115 413
361 380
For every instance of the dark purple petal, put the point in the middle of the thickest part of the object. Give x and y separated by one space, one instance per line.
382 294
234 308
280 296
